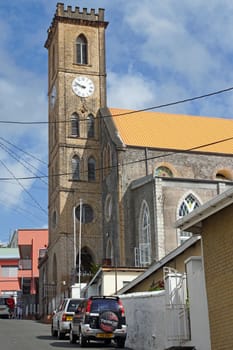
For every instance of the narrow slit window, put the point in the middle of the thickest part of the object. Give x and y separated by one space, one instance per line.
91 169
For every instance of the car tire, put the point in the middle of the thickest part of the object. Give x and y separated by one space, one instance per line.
82 340
120 342
53 332
60 334
108 321
73 337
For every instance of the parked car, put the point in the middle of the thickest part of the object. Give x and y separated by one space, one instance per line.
4 308
100 318
63 316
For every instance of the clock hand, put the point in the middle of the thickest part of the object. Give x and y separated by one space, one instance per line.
82 86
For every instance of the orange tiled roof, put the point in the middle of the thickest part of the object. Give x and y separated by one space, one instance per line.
173 131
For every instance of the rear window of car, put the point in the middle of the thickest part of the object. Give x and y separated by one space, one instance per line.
3 301
99 305
73 304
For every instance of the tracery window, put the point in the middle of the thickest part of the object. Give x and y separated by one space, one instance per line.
81 50
145 236
189 204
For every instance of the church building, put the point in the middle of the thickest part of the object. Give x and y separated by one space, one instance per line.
118 179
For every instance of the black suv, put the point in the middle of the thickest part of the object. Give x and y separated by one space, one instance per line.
100 318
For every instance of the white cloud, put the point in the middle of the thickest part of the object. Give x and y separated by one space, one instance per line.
129 91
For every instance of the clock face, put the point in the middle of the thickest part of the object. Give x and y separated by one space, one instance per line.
83 86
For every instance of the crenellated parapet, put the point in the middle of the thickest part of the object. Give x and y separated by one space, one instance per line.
76 13
77 16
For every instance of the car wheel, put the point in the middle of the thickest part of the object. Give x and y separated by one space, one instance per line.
53 332
82 340
108 321
120 342
60 334
73 337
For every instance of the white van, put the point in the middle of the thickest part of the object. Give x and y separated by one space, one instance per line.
4 309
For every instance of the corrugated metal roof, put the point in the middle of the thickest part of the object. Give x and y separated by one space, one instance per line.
9 253
174 131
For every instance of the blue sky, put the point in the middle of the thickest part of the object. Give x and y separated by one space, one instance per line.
157 52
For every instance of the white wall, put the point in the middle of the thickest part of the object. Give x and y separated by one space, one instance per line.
199 319
145 317
159 320
114 280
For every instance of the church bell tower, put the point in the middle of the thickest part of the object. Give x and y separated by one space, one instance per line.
76 92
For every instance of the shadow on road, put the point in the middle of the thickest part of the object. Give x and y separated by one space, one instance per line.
44 337
66 344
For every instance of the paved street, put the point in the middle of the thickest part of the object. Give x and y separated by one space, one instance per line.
28 335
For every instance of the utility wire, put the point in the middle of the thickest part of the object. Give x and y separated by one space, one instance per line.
126 163
14 156
29 194
21 150
127 113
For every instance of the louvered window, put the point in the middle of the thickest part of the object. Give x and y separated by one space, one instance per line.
81 46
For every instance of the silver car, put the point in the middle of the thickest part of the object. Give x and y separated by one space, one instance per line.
62 317
4 309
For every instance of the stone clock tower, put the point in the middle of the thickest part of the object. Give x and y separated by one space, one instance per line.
76 92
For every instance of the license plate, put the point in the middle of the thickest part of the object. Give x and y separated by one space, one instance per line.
69 318
104 335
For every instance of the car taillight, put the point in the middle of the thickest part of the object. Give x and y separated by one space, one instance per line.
88 308
65 317
122 310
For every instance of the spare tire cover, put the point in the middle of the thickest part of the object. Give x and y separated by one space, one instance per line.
108 321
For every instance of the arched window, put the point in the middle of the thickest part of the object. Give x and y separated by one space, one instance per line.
87 267
144 236
163 171
90 126
189 204
74 125
224 174
76 168
81 50
91 169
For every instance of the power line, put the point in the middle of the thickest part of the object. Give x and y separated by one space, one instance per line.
15 156
21 150
29 194
126 163
169 104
